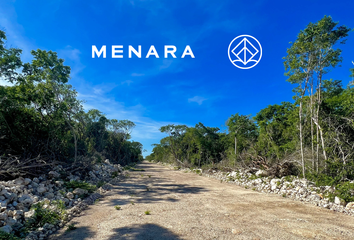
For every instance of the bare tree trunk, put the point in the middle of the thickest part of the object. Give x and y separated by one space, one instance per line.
301 144
75 139
317 148
311 111
318 121
235 151
300 126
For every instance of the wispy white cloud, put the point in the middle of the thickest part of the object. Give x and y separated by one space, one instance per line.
197 99
128 82
137 74
72 55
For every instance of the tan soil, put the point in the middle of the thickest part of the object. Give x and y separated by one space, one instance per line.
189 206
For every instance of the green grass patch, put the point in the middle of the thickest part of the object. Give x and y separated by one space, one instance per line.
117 207
100 183
147 212
44 215
137 169
83 185
114 174
8 236
289 178
71 227
253 177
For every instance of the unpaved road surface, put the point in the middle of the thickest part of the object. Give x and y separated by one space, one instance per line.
189 206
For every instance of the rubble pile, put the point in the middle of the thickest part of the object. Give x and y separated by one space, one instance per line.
18 196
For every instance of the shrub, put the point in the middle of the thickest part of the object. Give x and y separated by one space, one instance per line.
117 207
71 227
230 179
83 185
7 236
44 215
345 191
60 208
253 177
100 183
127 167
114 174
289 178
147 212
62 193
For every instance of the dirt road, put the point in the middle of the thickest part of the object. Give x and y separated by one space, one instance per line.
189 206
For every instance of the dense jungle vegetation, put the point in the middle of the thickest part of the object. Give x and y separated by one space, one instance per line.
42 122
314 132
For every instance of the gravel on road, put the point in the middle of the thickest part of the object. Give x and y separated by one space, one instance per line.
160 203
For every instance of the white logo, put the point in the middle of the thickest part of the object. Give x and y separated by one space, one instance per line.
246 52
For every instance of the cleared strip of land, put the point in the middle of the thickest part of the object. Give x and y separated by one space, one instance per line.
189 206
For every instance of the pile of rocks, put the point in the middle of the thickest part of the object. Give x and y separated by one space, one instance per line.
291 187
17 196
104 172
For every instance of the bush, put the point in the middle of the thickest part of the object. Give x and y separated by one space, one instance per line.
253 177
322 179
7 236
83 185
71 227
44 215
345 191
114 174
100 183
289 178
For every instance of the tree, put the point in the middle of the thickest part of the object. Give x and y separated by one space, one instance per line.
42 121
276 130
242 127
174 132
312 55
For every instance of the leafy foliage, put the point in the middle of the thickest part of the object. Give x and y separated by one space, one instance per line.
83 185
40 115
44 214
71 227
7 236
314 132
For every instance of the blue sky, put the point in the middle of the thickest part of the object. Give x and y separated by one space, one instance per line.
155 92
